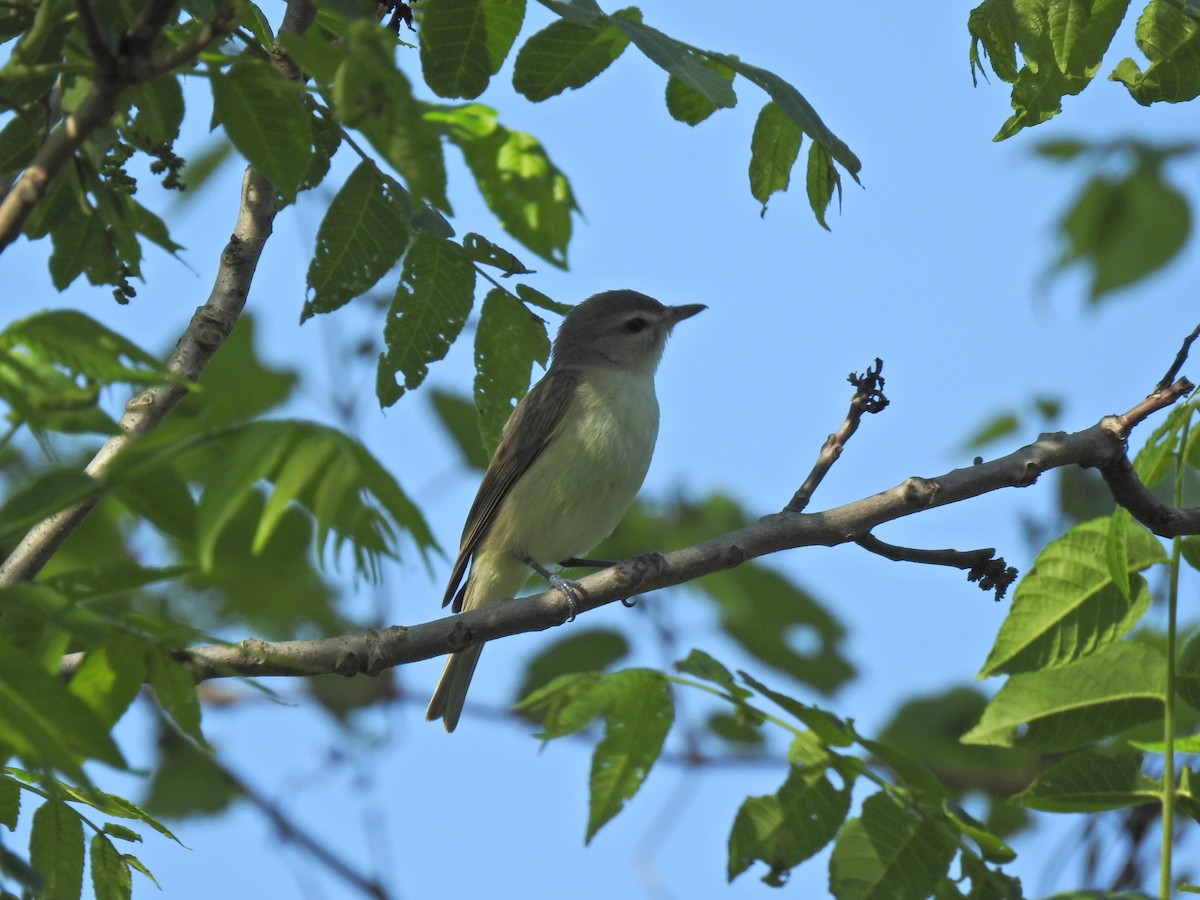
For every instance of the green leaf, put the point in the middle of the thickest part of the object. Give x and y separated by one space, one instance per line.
526 191
1168 33
1069 706
483 251
567 54
10 801
265 118
56 850
821 180
187 781
785 828
1116 551
372 95
509 340
679 60
773 151
890 853
1124 229
569 703
361 237
110 677
584 650
461 420
121 833
345 490
1157 456
541 301
317 53
19 142
43 496
431 305
81 247
688 105
111 879
1067 605
699 664
993 24
799 110
159 103
1061 41
1187 677
636 723
45 724
828 727
1091 782
464 43
175 690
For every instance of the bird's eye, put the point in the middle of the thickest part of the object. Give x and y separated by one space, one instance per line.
633 326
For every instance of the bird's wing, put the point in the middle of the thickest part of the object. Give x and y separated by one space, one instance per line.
539 413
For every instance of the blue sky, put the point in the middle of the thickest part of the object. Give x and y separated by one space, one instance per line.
937 266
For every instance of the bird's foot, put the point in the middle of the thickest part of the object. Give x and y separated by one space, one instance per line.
573 592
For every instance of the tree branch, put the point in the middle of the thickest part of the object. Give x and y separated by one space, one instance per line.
370 652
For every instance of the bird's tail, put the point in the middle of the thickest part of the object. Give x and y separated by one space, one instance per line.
447 701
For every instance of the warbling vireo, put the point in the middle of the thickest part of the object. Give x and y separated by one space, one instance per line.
570 461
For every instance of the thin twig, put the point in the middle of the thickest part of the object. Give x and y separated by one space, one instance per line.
1180 359
992 573
868 398
293 833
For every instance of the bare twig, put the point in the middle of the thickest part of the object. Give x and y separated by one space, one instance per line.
370 652
294 834
992 573
868 398
1180 359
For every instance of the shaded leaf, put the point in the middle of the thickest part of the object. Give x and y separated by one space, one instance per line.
1090 782
567 54
890 853
679 60
111 879
464 43
361 237
508 342
266 120
785 828
688 105
430 307
56 850
1124 229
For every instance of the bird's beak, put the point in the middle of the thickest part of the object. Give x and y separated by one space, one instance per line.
679 313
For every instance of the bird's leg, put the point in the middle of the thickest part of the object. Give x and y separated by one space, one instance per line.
569 589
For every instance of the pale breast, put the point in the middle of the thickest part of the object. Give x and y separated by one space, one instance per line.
583 483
